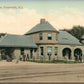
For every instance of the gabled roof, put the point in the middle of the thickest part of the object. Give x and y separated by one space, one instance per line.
45 26
66 38
10 40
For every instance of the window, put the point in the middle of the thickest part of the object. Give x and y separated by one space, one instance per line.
49 52
22 51
41 36
56 36
41 50
56 50
49 36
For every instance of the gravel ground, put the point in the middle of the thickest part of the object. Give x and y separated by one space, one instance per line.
40 72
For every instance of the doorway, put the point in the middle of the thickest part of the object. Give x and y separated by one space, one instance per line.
78 54
67 52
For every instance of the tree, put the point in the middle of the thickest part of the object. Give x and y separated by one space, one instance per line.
2 34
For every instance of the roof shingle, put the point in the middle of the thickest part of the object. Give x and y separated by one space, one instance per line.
46 26
66 38
10 40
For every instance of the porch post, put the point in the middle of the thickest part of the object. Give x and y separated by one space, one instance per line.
72 55
33 55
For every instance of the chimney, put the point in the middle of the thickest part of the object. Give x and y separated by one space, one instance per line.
42 21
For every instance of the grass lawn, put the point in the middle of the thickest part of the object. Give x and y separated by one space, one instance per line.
55 62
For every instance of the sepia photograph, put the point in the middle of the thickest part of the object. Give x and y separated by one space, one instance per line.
41 41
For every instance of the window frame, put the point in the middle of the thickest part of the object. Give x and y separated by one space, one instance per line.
22 51
42 50
41 36
56 51
56 36
49 36
49 52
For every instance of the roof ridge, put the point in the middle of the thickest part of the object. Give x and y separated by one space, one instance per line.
52 25
32 28
14 34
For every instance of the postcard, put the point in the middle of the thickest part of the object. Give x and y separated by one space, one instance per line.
41 41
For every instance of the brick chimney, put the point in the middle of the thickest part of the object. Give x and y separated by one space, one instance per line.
42 20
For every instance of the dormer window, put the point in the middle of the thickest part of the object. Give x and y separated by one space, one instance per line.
41 36
49 36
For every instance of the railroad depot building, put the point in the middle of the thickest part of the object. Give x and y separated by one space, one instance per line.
42 42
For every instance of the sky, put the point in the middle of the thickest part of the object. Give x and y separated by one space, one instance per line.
18 17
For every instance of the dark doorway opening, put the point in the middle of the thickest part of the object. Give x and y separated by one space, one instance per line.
78 54
67 52
31 53
7 53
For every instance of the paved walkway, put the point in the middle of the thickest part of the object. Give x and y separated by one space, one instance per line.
37 72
